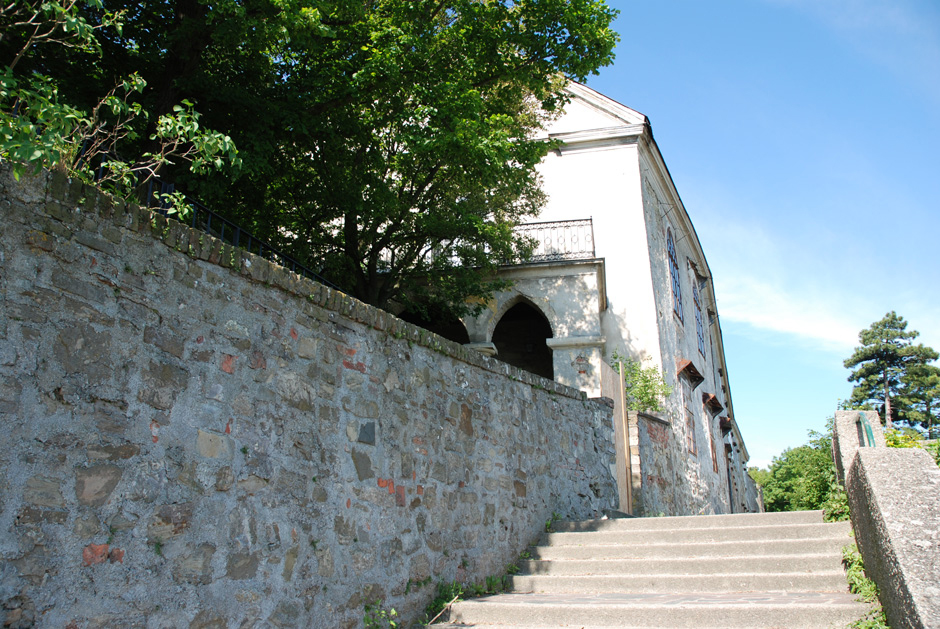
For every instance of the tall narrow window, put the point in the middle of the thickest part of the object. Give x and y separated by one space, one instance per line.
674 271
699 322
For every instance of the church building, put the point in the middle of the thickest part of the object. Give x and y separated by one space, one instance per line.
618 271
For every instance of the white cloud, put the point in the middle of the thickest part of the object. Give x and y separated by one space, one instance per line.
812 295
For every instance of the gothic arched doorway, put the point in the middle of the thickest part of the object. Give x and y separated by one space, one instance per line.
519 338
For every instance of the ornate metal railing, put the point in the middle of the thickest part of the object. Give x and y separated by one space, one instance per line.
560 240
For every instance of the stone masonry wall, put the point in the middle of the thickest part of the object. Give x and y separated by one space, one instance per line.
194 437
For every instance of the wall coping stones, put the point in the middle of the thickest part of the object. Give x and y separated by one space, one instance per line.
199 245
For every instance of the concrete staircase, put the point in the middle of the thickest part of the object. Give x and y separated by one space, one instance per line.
743 570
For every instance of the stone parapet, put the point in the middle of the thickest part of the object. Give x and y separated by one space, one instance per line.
894 495
850 432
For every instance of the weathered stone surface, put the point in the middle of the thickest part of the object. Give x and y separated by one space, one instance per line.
217 433
93 485
161 384
195 566
241 566
82 350
363 465
367 433
44 491
214 446
897 528
170 521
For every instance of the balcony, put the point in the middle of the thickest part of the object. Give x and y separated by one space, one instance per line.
560 240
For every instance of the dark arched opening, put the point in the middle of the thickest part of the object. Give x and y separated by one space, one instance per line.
451 328
520 340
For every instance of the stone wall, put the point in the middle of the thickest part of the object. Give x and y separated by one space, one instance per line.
194 437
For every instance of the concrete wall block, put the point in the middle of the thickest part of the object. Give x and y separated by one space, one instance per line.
894 495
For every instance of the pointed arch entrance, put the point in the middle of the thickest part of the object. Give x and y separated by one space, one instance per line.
519 338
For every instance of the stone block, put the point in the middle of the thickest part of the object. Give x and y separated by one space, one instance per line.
363 465
214 445
81 350
44 491
241 566
195 565
897 528
170 521
85 290
161 384
165 338
93 485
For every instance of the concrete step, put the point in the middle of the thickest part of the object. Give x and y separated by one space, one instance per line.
807 563
692 550
828 581
686 611
709 534
690 522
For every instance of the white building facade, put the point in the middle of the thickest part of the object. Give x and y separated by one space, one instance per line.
619 269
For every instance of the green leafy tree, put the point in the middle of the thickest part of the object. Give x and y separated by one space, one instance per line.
39 128
886 353
389 144
804 478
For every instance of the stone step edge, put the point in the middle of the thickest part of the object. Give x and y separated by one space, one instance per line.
809 526
787 556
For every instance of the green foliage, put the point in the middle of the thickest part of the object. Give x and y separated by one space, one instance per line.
387 144
866 589
920 395
38 128
934 449
903 438
883 361
804 478
645 387
447 593
551 521
376 617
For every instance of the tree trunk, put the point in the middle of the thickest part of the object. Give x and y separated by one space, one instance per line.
888 424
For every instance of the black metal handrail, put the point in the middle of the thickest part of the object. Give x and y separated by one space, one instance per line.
202 218
560 240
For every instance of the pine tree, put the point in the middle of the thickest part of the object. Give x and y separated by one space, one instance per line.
921 393
881 362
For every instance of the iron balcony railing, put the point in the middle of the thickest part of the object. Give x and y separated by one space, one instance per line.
202 218
560 240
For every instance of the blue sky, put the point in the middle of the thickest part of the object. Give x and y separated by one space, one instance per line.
804 139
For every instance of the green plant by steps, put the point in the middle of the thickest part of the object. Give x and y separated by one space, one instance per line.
866 589
378 618
447 593
549 522
645 386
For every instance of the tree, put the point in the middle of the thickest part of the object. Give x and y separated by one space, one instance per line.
388 144
38 129
921 395
886 353
804 478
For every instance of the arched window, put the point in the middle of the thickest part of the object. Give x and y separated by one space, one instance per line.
674 271
519 338
699 322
